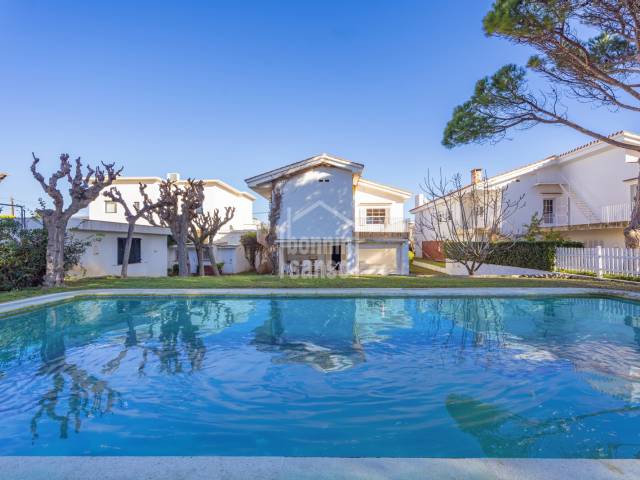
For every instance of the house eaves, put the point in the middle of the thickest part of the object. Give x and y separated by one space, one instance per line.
262 183
570 155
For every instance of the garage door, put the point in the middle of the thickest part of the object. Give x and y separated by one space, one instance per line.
377 259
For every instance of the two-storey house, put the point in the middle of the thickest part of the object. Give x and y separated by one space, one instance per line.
217 194
327 217
586 194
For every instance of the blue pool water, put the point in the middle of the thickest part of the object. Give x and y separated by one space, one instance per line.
395 377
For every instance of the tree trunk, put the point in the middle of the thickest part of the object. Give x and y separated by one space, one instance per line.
212 259
183 267
56 228
632 231
200 254
127 250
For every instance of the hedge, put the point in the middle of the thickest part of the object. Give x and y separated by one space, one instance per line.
540 255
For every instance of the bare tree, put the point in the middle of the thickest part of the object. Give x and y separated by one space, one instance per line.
84 188
148 208
204 227
466 219
179 206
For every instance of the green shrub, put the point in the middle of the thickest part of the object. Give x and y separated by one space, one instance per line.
411 256
23 255
220 265
539 255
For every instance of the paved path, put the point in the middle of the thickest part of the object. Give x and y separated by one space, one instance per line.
272 468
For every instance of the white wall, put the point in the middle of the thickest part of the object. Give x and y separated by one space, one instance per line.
367 197
101 257
215 197
314 209
596 177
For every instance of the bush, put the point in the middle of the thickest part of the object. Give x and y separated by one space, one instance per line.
411 256
23 255
540 255
220 265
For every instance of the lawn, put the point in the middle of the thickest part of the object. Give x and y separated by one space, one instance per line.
268 281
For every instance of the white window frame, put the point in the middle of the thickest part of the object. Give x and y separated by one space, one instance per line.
548 215
376 216
107 204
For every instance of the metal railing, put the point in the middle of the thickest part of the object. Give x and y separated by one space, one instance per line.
389 225
616 213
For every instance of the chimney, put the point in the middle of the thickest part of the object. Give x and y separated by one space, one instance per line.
174 177
419 199
476 175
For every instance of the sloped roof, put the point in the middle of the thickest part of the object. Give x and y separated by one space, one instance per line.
316 160
523 169
207 182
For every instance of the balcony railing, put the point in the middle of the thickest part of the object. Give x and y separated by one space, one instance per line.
616 213
390 225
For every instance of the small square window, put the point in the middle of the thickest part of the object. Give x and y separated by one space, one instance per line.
376 216
110 207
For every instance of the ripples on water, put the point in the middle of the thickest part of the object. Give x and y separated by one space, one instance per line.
406 377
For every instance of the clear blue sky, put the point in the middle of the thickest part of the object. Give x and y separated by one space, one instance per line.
230 89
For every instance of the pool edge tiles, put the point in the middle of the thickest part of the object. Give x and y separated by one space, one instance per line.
317 468
26 304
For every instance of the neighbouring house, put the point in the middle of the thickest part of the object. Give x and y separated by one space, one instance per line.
104 254
328 217
217 194
586 194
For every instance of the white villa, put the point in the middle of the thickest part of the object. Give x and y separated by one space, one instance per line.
586 194
330 218
106 218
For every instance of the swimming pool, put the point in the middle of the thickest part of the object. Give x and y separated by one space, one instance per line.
337 377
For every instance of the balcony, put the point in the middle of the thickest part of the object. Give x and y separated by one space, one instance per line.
388 227
616 213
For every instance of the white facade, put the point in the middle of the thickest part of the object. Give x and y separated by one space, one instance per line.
217 194
331 218
585 194
101 256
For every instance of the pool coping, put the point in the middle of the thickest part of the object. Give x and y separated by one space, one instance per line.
317 468
16 306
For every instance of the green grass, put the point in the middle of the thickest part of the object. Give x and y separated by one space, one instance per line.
269 281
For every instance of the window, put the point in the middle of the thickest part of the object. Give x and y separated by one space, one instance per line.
135 255
323 180
110 207
136 206
547 210
376 216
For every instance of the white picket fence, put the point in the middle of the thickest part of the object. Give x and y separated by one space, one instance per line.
599 260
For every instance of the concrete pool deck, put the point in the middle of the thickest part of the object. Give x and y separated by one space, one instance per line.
294 468
31 302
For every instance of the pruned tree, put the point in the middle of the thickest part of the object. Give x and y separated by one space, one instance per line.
147 208
252 248
202 230
587 51
83 189
468 220
179 206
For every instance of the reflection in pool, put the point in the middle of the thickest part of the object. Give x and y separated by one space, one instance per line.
403 377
